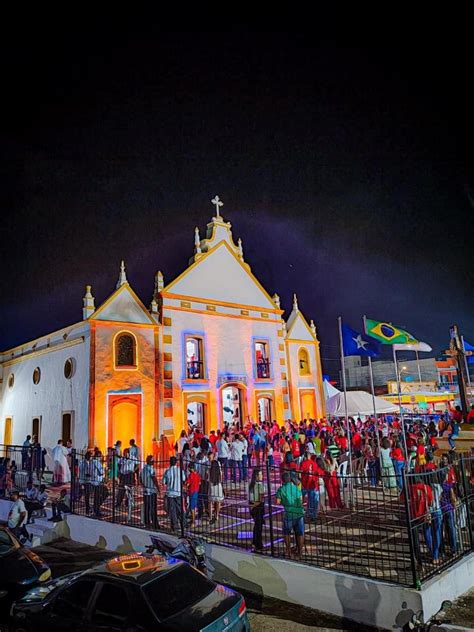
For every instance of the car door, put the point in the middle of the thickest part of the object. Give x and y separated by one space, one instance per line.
111 610
67 611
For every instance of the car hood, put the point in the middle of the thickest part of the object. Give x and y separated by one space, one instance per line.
21 566
207 611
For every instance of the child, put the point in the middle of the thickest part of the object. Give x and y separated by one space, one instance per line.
194 483
270 454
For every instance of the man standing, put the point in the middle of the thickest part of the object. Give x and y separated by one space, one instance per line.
26 454
150 493
97 482
223 454
85 479
134 450
17 517
236 453
174 478
289 495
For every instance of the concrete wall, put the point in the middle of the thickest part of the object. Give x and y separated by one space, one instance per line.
366 601
54 394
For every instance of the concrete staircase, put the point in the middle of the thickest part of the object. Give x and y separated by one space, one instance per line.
42 531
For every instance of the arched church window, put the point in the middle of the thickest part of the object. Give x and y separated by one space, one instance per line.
125 351
303 362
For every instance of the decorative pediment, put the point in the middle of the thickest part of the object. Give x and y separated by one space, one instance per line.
123 306
220 275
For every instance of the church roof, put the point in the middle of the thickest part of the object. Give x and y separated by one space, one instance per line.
123 305
297 327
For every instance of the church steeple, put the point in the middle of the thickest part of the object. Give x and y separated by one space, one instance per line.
122 276
295 303
88 303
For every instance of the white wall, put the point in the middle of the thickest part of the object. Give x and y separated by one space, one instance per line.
229 350
381 604
54 394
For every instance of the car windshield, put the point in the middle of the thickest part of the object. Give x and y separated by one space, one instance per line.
6 543
174 591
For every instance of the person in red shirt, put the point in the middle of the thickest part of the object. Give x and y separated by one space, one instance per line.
193 484
398 460
213 438
420 498
470 415
420 453
357 444
310 485
289 465
341 441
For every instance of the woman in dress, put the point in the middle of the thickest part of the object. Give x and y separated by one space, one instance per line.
388 473
332 483
216 491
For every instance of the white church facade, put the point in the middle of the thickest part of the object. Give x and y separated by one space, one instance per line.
212 347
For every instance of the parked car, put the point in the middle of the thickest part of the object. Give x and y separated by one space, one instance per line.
135 593
20 568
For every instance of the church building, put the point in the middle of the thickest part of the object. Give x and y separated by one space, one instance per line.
212 347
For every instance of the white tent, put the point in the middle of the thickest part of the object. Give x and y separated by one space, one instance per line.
329 390
358 403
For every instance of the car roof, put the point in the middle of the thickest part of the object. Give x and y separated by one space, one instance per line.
138 568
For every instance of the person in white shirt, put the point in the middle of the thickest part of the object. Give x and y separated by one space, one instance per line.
31 501
236 453
17 517
223 454
245 457
61 471
174 479
97 482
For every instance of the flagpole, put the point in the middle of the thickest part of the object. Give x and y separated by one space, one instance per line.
372 388
343 369
418 365
397 374
466 364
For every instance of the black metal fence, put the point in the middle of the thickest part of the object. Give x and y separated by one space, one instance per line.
358 524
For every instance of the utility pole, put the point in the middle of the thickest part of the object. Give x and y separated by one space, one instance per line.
456 351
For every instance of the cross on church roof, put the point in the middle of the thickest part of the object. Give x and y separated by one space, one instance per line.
217 203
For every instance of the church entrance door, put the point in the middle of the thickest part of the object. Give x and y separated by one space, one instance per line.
308 404
124 419
197 416
232 402
264 409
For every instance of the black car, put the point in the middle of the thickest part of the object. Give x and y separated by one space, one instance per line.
133 593
20 568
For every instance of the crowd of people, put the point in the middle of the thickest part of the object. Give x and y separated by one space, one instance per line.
301 466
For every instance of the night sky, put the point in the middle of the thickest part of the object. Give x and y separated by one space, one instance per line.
344 169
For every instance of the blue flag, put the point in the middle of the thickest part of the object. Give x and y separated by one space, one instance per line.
355 343
468 347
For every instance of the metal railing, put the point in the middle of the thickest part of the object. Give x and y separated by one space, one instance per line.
263 369
357 524
194 370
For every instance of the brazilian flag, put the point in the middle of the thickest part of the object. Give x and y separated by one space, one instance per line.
388 334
